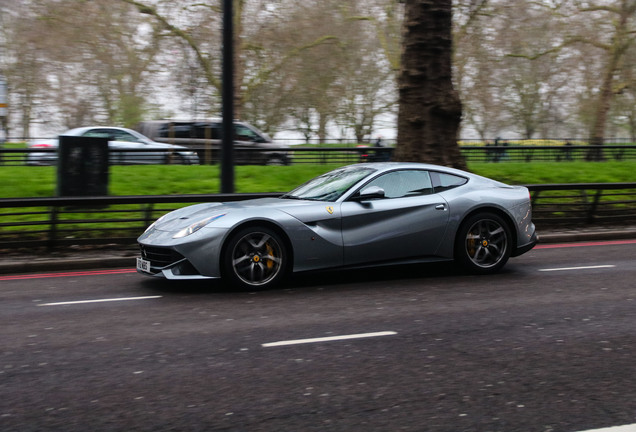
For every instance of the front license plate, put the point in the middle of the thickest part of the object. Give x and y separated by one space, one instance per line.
143 265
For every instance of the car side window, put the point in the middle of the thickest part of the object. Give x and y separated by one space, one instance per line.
207 131
243 133
114 135
176 130
444 181
124 136
404 183
97 133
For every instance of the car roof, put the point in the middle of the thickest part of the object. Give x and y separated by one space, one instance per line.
80 130
388 166
191 120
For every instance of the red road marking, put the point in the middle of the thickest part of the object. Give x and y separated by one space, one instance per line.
66 274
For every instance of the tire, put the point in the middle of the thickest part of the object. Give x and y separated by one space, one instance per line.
255 258
276 161
175 159
483 243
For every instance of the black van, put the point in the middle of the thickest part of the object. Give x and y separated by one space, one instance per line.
251 146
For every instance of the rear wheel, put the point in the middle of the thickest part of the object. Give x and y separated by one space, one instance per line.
483 243
276 161
255 258
175 159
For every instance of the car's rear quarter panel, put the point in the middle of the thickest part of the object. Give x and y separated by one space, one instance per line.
511 202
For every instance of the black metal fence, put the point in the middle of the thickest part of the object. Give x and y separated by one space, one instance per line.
55 222
340 154
564 153
587 203
52 222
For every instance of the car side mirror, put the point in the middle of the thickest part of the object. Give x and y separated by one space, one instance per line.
372 192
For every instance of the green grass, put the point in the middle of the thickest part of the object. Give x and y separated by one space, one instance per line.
14 145
557 172
22 181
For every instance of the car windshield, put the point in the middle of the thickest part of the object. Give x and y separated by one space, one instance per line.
330 186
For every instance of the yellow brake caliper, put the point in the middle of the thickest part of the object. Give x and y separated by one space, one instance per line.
471 246
270 252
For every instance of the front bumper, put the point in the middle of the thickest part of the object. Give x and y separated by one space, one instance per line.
166 263
196 256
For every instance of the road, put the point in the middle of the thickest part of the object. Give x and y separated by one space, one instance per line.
547 345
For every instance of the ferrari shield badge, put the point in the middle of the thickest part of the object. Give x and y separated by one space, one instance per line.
330 209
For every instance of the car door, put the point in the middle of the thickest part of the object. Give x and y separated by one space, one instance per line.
408 222
246 150
125 141
120 142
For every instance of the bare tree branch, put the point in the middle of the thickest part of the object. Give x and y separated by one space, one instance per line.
203 61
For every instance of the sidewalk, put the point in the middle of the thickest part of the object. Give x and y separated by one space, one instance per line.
583 234
74 258
81 258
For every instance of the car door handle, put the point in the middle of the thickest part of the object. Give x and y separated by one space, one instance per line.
440 207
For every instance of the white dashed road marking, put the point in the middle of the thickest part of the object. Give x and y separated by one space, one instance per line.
329 339
577 268
626 428
99 301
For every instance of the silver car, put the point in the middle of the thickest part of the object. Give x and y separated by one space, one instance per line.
355 216
125 146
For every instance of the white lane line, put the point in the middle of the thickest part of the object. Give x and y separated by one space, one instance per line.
329 339
99 301
577 268
626 428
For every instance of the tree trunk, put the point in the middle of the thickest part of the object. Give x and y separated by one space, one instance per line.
322 127
430 109
239 71
604 104
597 138
617 50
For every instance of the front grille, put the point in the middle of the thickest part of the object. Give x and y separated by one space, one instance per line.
160 257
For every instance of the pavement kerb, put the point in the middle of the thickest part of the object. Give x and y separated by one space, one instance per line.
584 235
14 266
126 258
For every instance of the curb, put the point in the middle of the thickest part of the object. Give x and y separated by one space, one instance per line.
66 263
582 236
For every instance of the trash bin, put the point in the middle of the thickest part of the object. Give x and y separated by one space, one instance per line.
82 168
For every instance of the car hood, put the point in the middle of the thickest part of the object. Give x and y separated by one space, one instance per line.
300 209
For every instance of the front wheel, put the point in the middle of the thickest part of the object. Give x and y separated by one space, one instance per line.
483 243
255 258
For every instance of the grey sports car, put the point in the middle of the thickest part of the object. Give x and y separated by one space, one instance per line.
355 216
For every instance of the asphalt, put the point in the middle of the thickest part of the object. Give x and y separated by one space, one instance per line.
113 256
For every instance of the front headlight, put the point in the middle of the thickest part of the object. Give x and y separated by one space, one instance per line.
196 226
